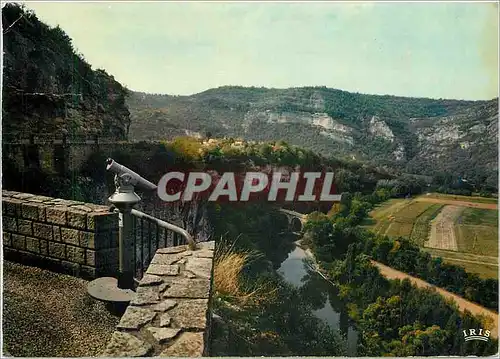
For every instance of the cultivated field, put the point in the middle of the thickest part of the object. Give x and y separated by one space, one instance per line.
442 234
464 201
462 230
452 197
421 227
484 266
397 218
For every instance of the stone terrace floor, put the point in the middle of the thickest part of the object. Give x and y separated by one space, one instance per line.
46 314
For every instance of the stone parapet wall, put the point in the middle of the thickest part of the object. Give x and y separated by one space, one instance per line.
72 237
169 314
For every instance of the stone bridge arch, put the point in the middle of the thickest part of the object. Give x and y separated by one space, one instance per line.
296 220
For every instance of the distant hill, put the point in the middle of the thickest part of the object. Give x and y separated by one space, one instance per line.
49 88
413 135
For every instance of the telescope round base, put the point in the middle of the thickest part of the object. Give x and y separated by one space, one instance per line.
106 289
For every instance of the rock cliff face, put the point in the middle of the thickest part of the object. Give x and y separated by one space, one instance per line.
468 139
379 128
49 89
415 135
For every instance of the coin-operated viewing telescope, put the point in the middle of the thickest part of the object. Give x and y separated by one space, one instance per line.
125 181
133 178
124 199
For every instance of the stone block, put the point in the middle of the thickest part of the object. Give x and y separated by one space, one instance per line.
126 345
165 320
160 269
75 254
98 207
203 254
188 288
9 224
43 231
77 219
70 236
44 247
32 245
81 207
188 344
165 305
40 199
99 240
57 250
172 250
6 239
102 221
207 245
11 207
162 335
90 257
63 202
86 239
146 295
56 233
29 211
201 267
56 214
18 241
6 193
25 227
190 314
21 195
134 318
149 279
168 259
42 212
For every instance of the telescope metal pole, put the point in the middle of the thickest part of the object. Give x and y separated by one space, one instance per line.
126 249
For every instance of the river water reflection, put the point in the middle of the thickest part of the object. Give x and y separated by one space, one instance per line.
320 294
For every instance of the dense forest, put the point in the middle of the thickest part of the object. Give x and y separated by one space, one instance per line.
49 89
394 317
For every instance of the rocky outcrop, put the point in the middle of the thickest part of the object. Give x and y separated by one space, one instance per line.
50 89
379 128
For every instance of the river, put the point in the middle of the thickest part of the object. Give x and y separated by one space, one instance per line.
322 294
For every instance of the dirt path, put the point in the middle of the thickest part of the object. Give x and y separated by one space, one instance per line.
442 229
463 304
458 203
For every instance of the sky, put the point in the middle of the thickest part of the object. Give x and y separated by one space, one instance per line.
435 50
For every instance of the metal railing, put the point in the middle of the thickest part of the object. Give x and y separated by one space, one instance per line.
150 234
